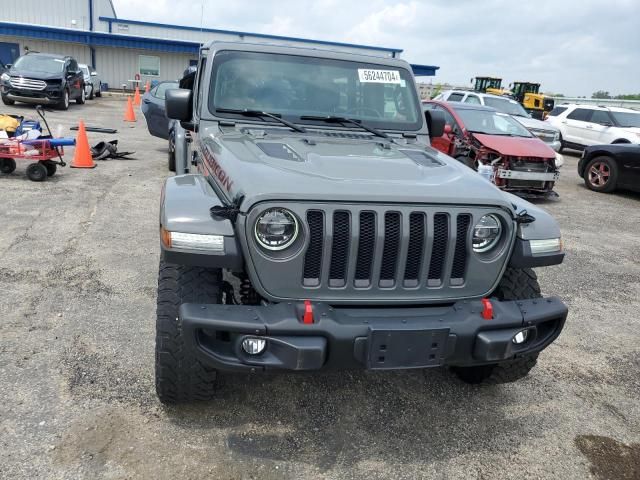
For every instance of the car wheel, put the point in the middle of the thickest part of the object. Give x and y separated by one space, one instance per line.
7 101
82 98
601 174
99 91
91 92
37 172
180 375
51 167
172 151
7 165
516 284
64 101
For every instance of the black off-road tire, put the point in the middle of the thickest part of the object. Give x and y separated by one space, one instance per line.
7 101
51 167
180 376
7 165
37 172
516 284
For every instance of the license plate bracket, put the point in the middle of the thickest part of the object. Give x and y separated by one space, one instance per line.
403 349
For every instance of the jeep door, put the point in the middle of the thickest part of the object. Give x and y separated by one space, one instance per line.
577 126
600 125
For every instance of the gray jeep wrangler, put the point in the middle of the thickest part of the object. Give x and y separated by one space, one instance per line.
319 230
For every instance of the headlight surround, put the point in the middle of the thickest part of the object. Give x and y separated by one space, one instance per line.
5 77
486 233
276 229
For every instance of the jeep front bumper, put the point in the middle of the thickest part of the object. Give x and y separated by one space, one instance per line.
371 338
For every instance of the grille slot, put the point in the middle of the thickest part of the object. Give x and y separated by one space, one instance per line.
366 249
460 254
390 251
339 249
313 257
439 252
415 250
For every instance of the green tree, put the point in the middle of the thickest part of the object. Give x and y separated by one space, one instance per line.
600 94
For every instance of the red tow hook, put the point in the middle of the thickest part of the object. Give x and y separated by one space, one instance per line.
487 309
307 318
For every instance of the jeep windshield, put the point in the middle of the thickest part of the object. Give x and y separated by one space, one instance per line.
491 123
39 63
304 89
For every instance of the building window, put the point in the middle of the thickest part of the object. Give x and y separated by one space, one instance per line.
149 65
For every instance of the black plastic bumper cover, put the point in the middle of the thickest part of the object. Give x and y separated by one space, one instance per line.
372 338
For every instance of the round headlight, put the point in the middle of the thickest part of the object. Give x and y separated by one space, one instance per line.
486 233
276 229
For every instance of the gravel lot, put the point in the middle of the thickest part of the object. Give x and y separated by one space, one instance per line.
78 276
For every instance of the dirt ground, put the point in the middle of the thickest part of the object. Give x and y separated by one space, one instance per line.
77 280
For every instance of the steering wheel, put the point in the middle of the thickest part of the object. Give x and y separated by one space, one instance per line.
364 110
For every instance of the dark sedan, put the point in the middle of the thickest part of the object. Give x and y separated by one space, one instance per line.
154 110
606 168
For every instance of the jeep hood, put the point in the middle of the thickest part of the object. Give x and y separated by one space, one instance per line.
312 168
516 146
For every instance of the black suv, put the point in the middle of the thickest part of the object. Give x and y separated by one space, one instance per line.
42 78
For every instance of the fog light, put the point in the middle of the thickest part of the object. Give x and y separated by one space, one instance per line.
254 346
520 337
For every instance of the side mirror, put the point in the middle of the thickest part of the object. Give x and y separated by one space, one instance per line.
447 129
179 105
435 123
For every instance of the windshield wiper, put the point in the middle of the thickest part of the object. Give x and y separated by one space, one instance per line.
258 113
352 121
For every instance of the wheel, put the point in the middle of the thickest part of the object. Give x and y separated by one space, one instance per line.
468 161
82 98
516 284
99 92
180 376
51 167
37 172
7 101
91 92
172 151
64 101
601 174
7 165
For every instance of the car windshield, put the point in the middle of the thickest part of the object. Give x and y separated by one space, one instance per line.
627 119
294 86
38 63
491 123
506 106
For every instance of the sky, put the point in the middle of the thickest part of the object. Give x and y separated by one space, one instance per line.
572 47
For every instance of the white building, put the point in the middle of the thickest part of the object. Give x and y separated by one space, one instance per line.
120 49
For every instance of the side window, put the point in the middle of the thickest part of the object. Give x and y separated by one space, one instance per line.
455 97
557 111
581 114
149 65
198 97
472 99
602 117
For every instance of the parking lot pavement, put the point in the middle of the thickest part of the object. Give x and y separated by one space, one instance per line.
77 281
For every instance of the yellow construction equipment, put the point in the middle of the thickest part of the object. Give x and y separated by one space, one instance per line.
528 94
491 85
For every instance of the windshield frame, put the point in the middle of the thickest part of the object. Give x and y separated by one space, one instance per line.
222 56
41 58
506 101
635 115
523 132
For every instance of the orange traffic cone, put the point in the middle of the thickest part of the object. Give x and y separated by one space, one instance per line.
136 97
147 87
129 114
82 157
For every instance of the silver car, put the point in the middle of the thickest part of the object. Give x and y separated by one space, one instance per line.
92 82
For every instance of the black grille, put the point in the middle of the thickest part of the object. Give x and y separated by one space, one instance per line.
460 254
339 249
415 249
366 246
313 257
390 251
439 252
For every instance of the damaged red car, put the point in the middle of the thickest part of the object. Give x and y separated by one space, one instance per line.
477 135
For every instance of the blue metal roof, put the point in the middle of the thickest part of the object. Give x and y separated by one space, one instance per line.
258 35
101 39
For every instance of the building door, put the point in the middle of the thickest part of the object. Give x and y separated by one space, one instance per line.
9 52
